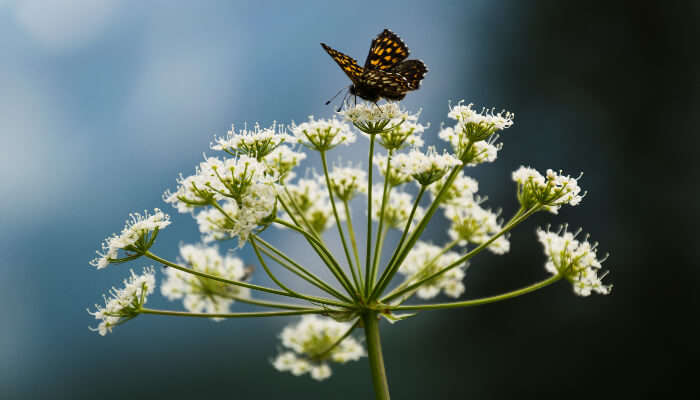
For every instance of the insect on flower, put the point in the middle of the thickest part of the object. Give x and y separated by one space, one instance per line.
386 74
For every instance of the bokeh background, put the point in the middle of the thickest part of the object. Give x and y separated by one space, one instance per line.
103 103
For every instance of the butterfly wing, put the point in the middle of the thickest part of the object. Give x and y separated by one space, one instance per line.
389 84
347 64
413 70
386 50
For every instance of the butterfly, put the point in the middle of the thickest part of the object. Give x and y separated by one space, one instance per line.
385 74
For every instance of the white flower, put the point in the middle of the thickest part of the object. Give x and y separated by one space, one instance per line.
552 191
217 179
397 176
214 225
479 126
470 152
462 190
323 134
124 304
425 168
346 182
473 224
372 114
282 160
425 260
202 294
257 208
256 143
311 343
397 210
573 259
310 198
135 236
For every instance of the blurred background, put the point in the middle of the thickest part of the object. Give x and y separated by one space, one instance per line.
103 104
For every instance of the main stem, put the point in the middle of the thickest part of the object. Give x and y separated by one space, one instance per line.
376 360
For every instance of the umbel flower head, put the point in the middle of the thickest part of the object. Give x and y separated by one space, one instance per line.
217 179
460 192
281 161
551 192
346 182
425 168
396 210
138 235
574 260
239 188
471 153
312 343
470 223
424 260
477 126
322 134
308 201
395 127
125 304
203 294
256 143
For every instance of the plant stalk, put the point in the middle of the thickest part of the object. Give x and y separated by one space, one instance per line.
376 360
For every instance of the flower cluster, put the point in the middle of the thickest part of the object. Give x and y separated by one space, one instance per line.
462 189
471 153
309 202
397 176
426 259
395 127
138 235
470 223
312 343
425 168
396 210
125 304
201 294
477 126
346 182
574 260
281 161
322 134
550 192
256 143
218 183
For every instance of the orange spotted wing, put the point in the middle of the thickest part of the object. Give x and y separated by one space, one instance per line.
385 74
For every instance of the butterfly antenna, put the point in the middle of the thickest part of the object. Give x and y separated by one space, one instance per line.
342 103
336 95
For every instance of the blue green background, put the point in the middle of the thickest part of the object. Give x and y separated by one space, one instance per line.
104 103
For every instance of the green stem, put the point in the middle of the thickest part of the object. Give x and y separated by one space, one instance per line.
383 283
271 275
377 247
231 315
414 276
374 353
353 241
510 225
370 168
300 213
237 283
378 253
485 300
325 255
403 251
296 268
263 303
337 218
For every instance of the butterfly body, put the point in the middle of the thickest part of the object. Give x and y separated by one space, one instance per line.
386 74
